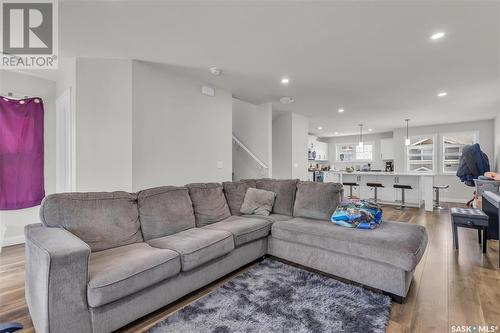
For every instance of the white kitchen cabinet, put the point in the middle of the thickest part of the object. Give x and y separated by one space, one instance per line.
411 196
332 177
350 178
366 192
387 149
321 148
386 193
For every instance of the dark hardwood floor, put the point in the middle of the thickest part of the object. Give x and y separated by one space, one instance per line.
449 287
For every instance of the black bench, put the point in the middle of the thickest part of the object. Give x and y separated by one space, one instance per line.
472 218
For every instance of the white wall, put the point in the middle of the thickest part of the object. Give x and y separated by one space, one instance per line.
290 132
282 147
179 135
300 129
376 164
103 125
457 191
496 135
25 84
252 125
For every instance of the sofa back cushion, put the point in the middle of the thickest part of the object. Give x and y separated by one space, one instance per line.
285 193
103 220
165 211
209 203
235 194
317 200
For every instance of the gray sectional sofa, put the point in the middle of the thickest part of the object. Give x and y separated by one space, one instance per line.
101 260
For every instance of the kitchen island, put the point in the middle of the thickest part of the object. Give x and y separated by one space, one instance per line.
421 192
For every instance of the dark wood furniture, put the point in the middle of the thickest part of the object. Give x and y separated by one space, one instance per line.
491 206
472 218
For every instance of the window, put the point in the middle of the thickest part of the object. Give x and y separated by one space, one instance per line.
352 152
453 144
420 154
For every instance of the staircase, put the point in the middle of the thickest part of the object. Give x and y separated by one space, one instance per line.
246 164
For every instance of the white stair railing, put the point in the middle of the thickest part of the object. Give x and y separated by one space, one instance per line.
249 152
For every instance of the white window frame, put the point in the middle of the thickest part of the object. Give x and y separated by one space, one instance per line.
337 152
434 153
448 134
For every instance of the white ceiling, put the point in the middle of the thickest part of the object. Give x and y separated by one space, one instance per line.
374 58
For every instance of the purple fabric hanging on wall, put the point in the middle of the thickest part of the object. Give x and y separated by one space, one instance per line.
21 153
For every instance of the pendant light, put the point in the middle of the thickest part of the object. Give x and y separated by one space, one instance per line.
407 141
360 136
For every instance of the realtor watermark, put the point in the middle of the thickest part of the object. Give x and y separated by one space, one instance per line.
29 38
474 328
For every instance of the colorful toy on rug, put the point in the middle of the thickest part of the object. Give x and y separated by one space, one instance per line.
355 213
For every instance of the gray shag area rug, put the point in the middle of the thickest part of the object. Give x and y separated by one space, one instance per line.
274 297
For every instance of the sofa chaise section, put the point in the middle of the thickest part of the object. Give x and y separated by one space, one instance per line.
383 258
393 243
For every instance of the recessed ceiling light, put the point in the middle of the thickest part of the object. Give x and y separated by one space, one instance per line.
215 71
336 133
370 129
341 110
286 100
442 94
320 128
437 35
285 81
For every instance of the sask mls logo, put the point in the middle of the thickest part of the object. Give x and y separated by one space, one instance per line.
29 34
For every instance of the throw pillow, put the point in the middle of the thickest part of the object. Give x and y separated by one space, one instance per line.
235 194
258 202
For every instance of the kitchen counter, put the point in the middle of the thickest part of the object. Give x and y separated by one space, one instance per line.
379 173
421 192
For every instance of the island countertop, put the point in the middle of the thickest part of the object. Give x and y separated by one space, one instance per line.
380 173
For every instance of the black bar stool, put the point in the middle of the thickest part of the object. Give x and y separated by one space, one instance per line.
436 190
351 185
375 187
403 188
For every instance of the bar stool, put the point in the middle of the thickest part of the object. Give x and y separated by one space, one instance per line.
375 187
403 188
436 190
351 185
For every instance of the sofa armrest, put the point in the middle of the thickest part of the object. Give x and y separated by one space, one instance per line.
56 280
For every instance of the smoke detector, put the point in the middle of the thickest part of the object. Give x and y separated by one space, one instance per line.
286 100
215 71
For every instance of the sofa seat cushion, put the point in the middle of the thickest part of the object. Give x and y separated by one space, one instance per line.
197 246
394 243
122 271
272 217
244 229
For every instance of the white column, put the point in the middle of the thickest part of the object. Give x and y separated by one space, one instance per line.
428 192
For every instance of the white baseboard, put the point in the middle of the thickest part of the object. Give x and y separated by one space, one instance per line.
456 200
8 241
